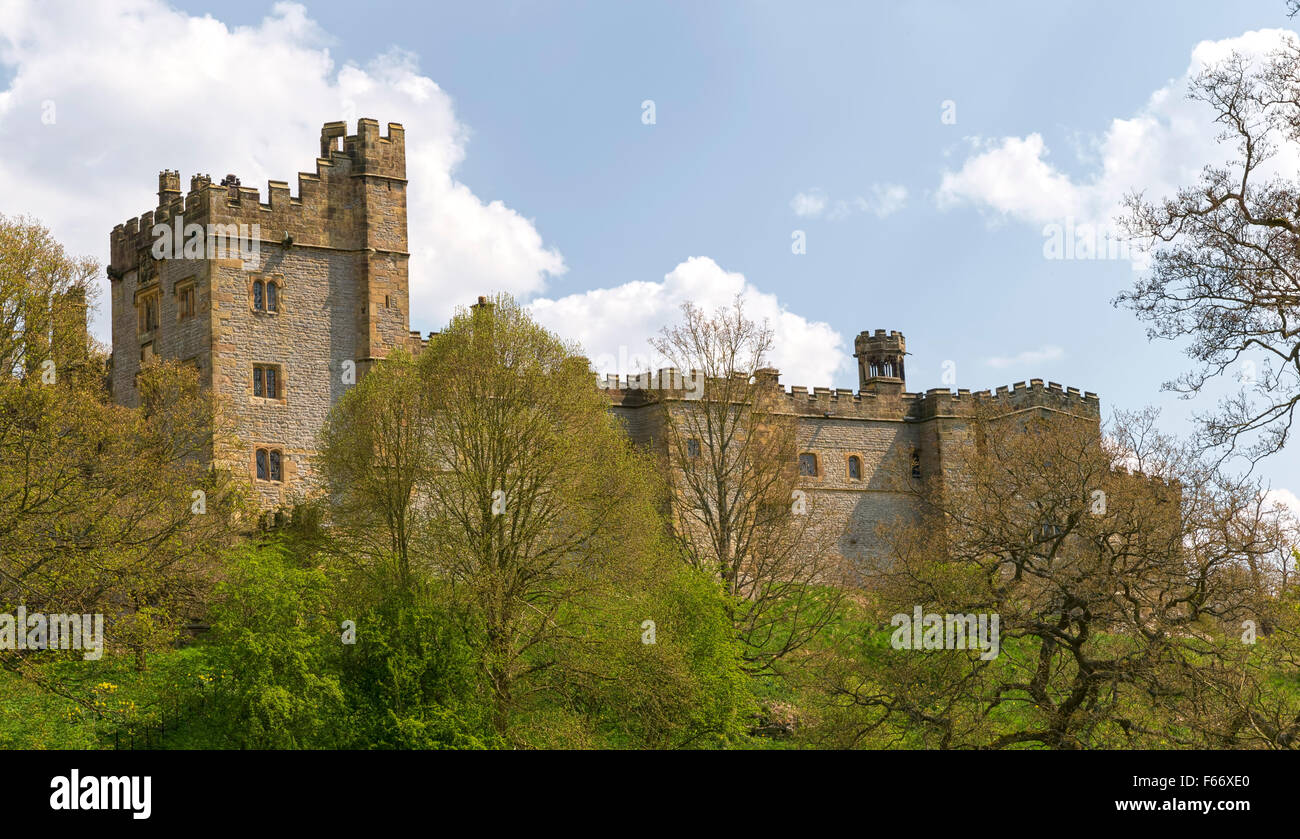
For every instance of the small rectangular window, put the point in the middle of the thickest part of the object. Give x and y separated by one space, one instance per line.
267 381
186 302
808 465
692 447
855 468
149 312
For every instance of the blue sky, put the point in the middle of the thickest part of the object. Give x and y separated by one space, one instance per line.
607 223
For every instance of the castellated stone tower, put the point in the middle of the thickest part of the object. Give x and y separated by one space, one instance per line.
880 362
280 304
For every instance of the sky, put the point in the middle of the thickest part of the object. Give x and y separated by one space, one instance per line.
842 166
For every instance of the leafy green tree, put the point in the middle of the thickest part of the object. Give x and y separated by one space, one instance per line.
411 682
680 682
103 509
489 480
538 501
729 458
1120 596
275 649
376 454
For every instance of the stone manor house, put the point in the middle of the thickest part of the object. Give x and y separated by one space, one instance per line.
317 291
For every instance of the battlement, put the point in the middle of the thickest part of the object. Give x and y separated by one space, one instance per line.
940 402
672 385
364 170
370 153
843 403
1005 399
667 383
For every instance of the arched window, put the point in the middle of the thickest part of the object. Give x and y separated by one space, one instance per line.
270 465
855 468
272 297
808 464
916 463
257 296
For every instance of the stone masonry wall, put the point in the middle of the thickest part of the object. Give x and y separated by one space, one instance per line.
338 253
309 338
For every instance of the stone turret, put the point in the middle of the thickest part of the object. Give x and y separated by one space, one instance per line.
169 186
880 362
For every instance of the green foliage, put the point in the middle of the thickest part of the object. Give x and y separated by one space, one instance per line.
272 647
62 703
500 550
412 678
686 689
410 682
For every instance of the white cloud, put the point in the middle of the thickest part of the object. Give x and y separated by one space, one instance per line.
138 86
1042 355
808 203
1014 178
1286 498
888 199
883 200
1160 148
209 98
614 325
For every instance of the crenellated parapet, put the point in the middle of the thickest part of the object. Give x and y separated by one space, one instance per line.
939 402
355 200
842 403
130 241
667 383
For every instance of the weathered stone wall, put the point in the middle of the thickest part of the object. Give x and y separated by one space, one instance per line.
886 428
338 253
880 497
309 338
185 340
